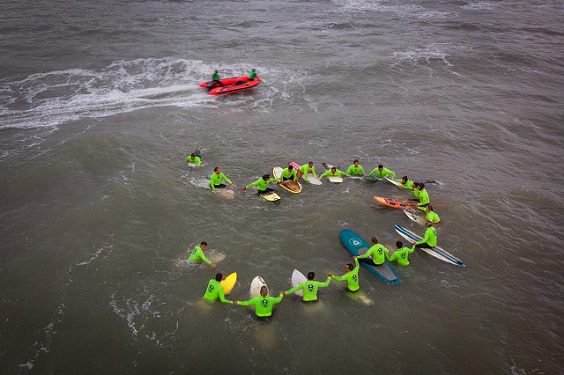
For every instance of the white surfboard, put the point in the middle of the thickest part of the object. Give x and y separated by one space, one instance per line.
335 179
257 283
297 279
419 219
271 197
313 180
225 193
397 183
356 177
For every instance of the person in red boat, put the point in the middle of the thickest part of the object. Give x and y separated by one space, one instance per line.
215 82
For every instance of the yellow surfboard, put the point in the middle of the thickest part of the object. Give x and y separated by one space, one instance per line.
229 283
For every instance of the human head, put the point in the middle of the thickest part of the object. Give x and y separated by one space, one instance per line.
380 166
429 224
355 162
349 267
310 275
266 177
416 185
252 70
333 169
263 291
217 170
215 71
421 186
399 244
310 163
192 155
203 245
429 208
404 179
218 276
374 240
290 167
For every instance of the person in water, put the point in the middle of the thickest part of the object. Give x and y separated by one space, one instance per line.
263 304
407 183
350 276
214 291
382 172
252 74
333 172
307 169
194 159
288 173
431 216
310 287
262 184
198 255
430 238
401 254
420 193
378 251
216 179
355 169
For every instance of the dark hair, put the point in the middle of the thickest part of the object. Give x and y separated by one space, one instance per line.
421 185
204 243
415 184
356 161
430 207
350 266
310 275
193 155
215 169
380 166
374 239
263 287
310 162
290 167
218 276
399 244
266 177
334 167
405 178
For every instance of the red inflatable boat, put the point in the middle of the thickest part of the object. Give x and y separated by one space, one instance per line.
230 85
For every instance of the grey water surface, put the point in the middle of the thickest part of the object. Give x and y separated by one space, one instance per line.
99 105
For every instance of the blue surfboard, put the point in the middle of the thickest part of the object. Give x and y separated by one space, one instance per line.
436 251
356 245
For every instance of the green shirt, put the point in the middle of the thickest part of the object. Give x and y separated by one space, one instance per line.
215 179
196 160
408 185
252 75
383 173
198 255
430 237
215 76
261 184
400 255
310 288
215 291
355 171
263 305
330 173
351 277
379 253
287 174
305 169
423 197
432 217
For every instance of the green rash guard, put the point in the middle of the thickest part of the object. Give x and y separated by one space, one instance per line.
430 237
408 185
215 77
261 184
351 277
198 255
401 256
423 197
310 289
215 179
196 160
305 169
379 253
287 174
215 291
432 217
384 173
263 305
337 173
252 75
355 171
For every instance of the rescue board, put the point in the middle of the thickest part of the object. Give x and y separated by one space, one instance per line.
228 283
292 186
395 203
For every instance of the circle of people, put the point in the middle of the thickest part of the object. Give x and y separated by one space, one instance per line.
377 254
